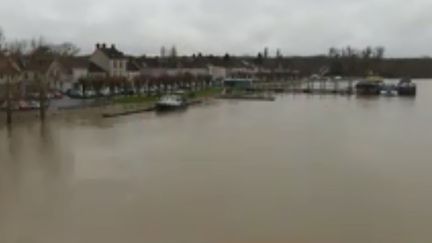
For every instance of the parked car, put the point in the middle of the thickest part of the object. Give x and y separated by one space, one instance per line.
128 91
116 91
57 94
75 93
105 92
89 93
33 104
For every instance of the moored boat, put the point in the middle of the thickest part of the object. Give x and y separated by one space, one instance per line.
406 87
370 86
171 102
389 90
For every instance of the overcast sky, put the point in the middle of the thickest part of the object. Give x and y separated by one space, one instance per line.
298 27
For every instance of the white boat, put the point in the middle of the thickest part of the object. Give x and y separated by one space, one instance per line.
171 102
389 90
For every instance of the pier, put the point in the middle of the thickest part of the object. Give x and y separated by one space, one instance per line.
148 108
330 87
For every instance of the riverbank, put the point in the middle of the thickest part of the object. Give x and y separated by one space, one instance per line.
117 105
206 93
148 103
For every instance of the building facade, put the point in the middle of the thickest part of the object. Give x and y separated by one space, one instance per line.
111 60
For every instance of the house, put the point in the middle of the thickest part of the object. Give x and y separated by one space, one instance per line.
9 70
241 69
40 69
96 71
217 72
70 71
133 69
110 60
157 67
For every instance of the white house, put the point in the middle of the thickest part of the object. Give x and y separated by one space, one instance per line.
217 72
133 69
111 60
73 69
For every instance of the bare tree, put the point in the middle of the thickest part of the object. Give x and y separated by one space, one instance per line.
278 53
17 47
36 43
266 52
350 52
379 52
367 52
259 59
173 52
64 49
226 57
2 40
163 52
334 52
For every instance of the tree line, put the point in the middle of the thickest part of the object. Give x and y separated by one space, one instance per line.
36 45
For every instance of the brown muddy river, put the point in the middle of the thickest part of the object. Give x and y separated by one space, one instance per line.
303 169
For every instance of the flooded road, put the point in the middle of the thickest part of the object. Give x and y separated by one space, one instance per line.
303 169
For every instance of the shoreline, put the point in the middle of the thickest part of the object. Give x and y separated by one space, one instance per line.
118 105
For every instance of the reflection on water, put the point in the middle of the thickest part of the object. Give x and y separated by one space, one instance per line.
302 169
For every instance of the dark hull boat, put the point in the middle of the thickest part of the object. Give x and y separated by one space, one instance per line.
369 87
165 107
407 88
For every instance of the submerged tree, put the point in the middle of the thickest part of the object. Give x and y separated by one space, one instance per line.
2 39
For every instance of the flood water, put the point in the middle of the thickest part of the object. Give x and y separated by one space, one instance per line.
303 169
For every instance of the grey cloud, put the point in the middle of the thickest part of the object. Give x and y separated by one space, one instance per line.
237 26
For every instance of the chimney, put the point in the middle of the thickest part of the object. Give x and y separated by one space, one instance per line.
97 46
103 45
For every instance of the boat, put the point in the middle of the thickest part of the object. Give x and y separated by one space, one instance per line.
370 86
171 102
406 87
389 90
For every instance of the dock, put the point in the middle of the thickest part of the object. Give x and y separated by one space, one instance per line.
143 110
128 112
330 87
